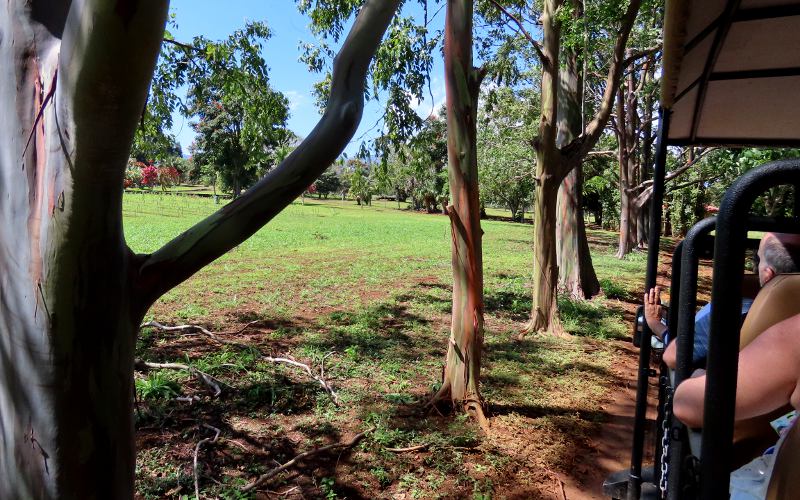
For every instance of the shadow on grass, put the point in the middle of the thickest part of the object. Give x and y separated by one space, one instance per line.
591 319
512 304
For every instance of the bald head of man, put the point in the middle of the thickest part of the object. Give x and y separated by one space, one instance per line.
778 253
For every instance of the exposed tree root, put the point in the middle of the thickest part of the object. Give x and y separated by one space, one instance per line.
473 405
288 360
409 449
475 408
214 383
536 327
195 467
277 470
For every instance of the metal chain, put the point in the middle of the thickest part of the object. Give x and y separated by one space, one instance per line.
665 429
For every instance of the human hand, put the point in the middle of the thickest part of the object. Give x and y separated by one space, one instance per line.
653 311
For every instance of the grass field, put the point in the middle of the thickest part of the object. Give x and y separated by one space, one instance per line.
366 292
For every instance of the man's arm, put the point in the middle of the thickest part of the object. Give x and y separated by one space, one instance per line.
670 356
769 371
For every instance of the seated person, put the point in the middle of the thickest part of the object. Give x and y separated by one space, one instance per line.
768 378
778 253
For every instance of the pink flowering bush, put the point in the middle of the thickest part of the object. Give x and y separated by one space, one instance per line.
168 176
149 175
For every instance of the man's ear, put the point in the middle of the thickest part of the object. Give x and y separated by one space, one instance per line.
770 273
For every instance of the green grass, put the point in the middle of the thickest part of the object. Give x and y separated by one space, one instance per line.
367 290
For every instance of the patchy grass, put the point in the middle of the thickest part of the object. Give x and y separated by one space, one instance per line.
366 291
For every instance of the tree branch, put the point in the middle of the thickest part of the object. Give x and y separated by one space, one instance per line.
212 237
536 45
277 470
195 467
634 55
583 144
183 45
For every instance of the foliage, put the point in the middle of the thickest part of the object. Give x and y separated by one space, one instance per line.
418 168
240 119
400 72
168 176
601 196
693 195
361 182
505 159
157 385
327 183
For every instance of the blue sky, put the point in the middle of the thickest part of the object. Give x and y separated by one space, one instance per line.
216 20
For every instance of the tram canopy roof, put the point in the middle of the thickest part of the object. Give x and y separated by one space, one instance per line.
732 72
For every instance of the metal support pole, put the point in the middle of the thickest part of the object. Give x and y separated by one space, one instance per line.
723 355
694 243
672 320
640 422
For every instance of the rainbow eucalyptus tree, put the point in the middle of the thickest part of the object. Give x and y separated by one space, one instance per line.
576 275
72 293
556 159
462 84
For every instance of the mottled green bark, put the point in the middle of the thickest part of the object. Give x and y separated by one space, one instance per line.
462 82
71 292
576 275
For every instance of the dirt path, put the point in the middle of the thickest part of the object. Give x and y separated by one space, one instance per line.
609 451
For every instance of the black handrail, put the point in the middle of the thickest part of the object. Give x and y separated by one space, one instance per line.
639 422
723 356
695 243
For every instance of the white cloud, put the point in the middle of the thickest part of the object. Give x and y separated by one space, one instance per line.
425 108
296 99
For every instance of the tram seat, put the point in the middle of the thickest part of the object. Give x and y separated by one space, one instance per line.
783 483
775 302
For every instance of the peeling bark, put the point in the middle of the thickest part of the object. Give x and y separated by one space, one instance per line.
462 83
576 275
71 292
553 163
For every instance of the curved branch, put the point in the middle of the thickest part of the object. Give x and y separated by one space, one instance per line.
590 136
212 237
536 45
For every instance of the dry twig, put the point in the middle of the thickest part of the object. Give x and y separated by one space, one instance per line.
277 470
212 382
410 448
197 452
320 379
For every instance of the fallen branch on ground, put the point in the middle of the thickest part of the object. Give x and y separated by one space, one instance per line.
277 470
197 452
410 448
320 379
214 383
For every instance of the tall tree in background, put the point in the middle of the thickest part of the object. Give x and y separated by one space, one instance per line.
632 124
555 161
463 81
576 275
73 293
507 119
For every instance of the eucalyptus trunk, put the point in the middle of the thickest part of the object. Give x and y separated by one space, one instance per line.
554 163
628 128
462 83
72 294
576 275
544 315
